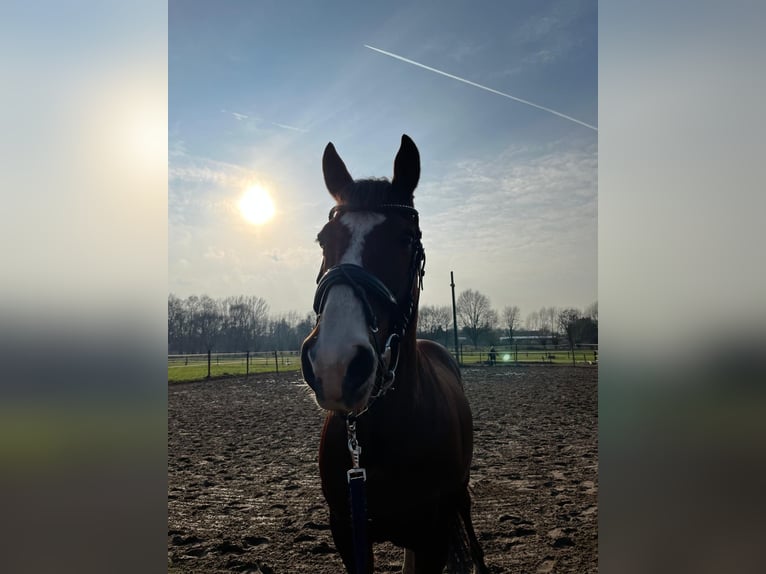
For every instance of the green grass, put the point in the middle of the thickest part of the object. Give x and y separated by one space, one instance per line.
194 368
509 357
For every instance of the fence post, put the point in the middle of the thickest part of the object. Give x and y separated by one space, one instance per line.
247 364
517 352
276 361
454 319
208 363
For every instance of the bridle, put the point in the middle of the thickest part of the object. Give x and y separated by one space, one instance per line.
366 285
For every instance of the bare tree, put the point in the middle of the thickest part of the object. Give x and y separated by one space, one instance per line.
533 321
209 321
304 327
544 323
548 319
434 321
284 333
443 317
237 323
192 310
511 320
176 325
567 320
492 321
258 311
475 314
551 318
426 323
279 333
591 311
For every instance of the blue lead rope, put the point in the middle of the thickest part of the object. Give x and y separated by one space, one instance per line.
356 480
357 476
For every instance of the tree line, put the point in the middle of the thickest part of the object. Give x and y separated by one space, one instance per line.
481 325
198 324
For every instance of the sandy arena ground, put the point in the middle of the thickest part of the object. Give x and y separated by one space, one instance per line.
243 481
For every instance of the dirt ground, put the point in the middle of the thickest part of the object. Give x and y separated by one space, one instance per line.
243 481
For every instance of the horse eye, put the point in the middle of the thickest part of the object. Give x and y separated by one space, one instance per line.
408 239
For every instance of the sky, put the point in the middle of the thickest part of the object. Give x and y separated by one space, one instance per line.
508 191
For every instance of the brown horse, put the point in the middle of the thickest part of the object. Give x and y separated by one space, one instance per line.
401 399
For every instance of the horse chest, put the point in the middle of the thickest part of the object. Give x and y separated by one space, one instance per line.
404 469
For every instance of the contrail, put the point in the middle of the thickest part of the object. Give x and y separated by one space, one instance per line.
470 83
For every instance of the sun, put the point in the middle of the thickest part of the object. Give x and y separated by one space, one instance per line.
256 205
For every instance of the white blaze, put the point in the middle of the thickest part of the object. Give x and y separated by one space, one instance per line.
343 325
359 226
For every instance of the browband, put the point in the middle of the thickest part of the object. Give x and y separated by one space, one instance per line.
406 209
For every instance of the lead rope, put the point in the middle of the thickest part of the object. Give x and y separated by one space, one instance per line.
357 476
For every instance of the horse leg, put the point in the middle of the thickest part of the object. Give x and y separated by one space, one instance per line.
430 561
344 542
409 562
477 553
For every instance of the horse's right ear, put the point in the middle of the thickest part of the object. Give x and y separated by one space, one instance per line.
336 176
406 169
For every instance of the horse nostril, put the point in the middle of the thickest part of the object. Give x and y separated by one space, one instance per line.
359 370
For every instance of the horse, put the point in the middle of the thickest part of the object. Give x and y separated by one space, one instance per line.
396 407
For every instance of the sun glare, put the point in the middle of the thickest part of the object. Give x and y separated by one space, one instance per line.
256 206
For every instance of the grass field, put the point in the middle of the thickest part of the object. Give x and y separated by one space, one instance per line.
536 356
194 367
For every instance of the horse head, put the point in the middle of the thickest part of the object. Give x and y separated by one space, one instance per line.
368 283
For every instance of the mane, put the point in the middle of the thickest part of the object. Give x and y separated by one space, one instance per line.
370 193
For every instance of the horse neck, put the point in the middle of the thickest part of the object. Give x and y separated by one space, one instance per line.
407 371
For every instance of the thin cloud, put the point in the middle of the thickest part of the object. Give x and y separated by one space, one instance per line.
201 169
238 116
539 206
287 127
215 253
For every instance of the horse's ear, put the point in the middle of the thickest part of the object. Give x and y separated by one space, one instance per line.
406 168
336 176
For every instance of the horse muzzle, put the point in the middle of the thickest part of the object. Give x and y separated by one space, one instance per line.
342 376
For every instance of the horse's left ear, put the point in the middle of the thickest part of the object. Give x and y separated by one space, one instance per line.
336 176
406 168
